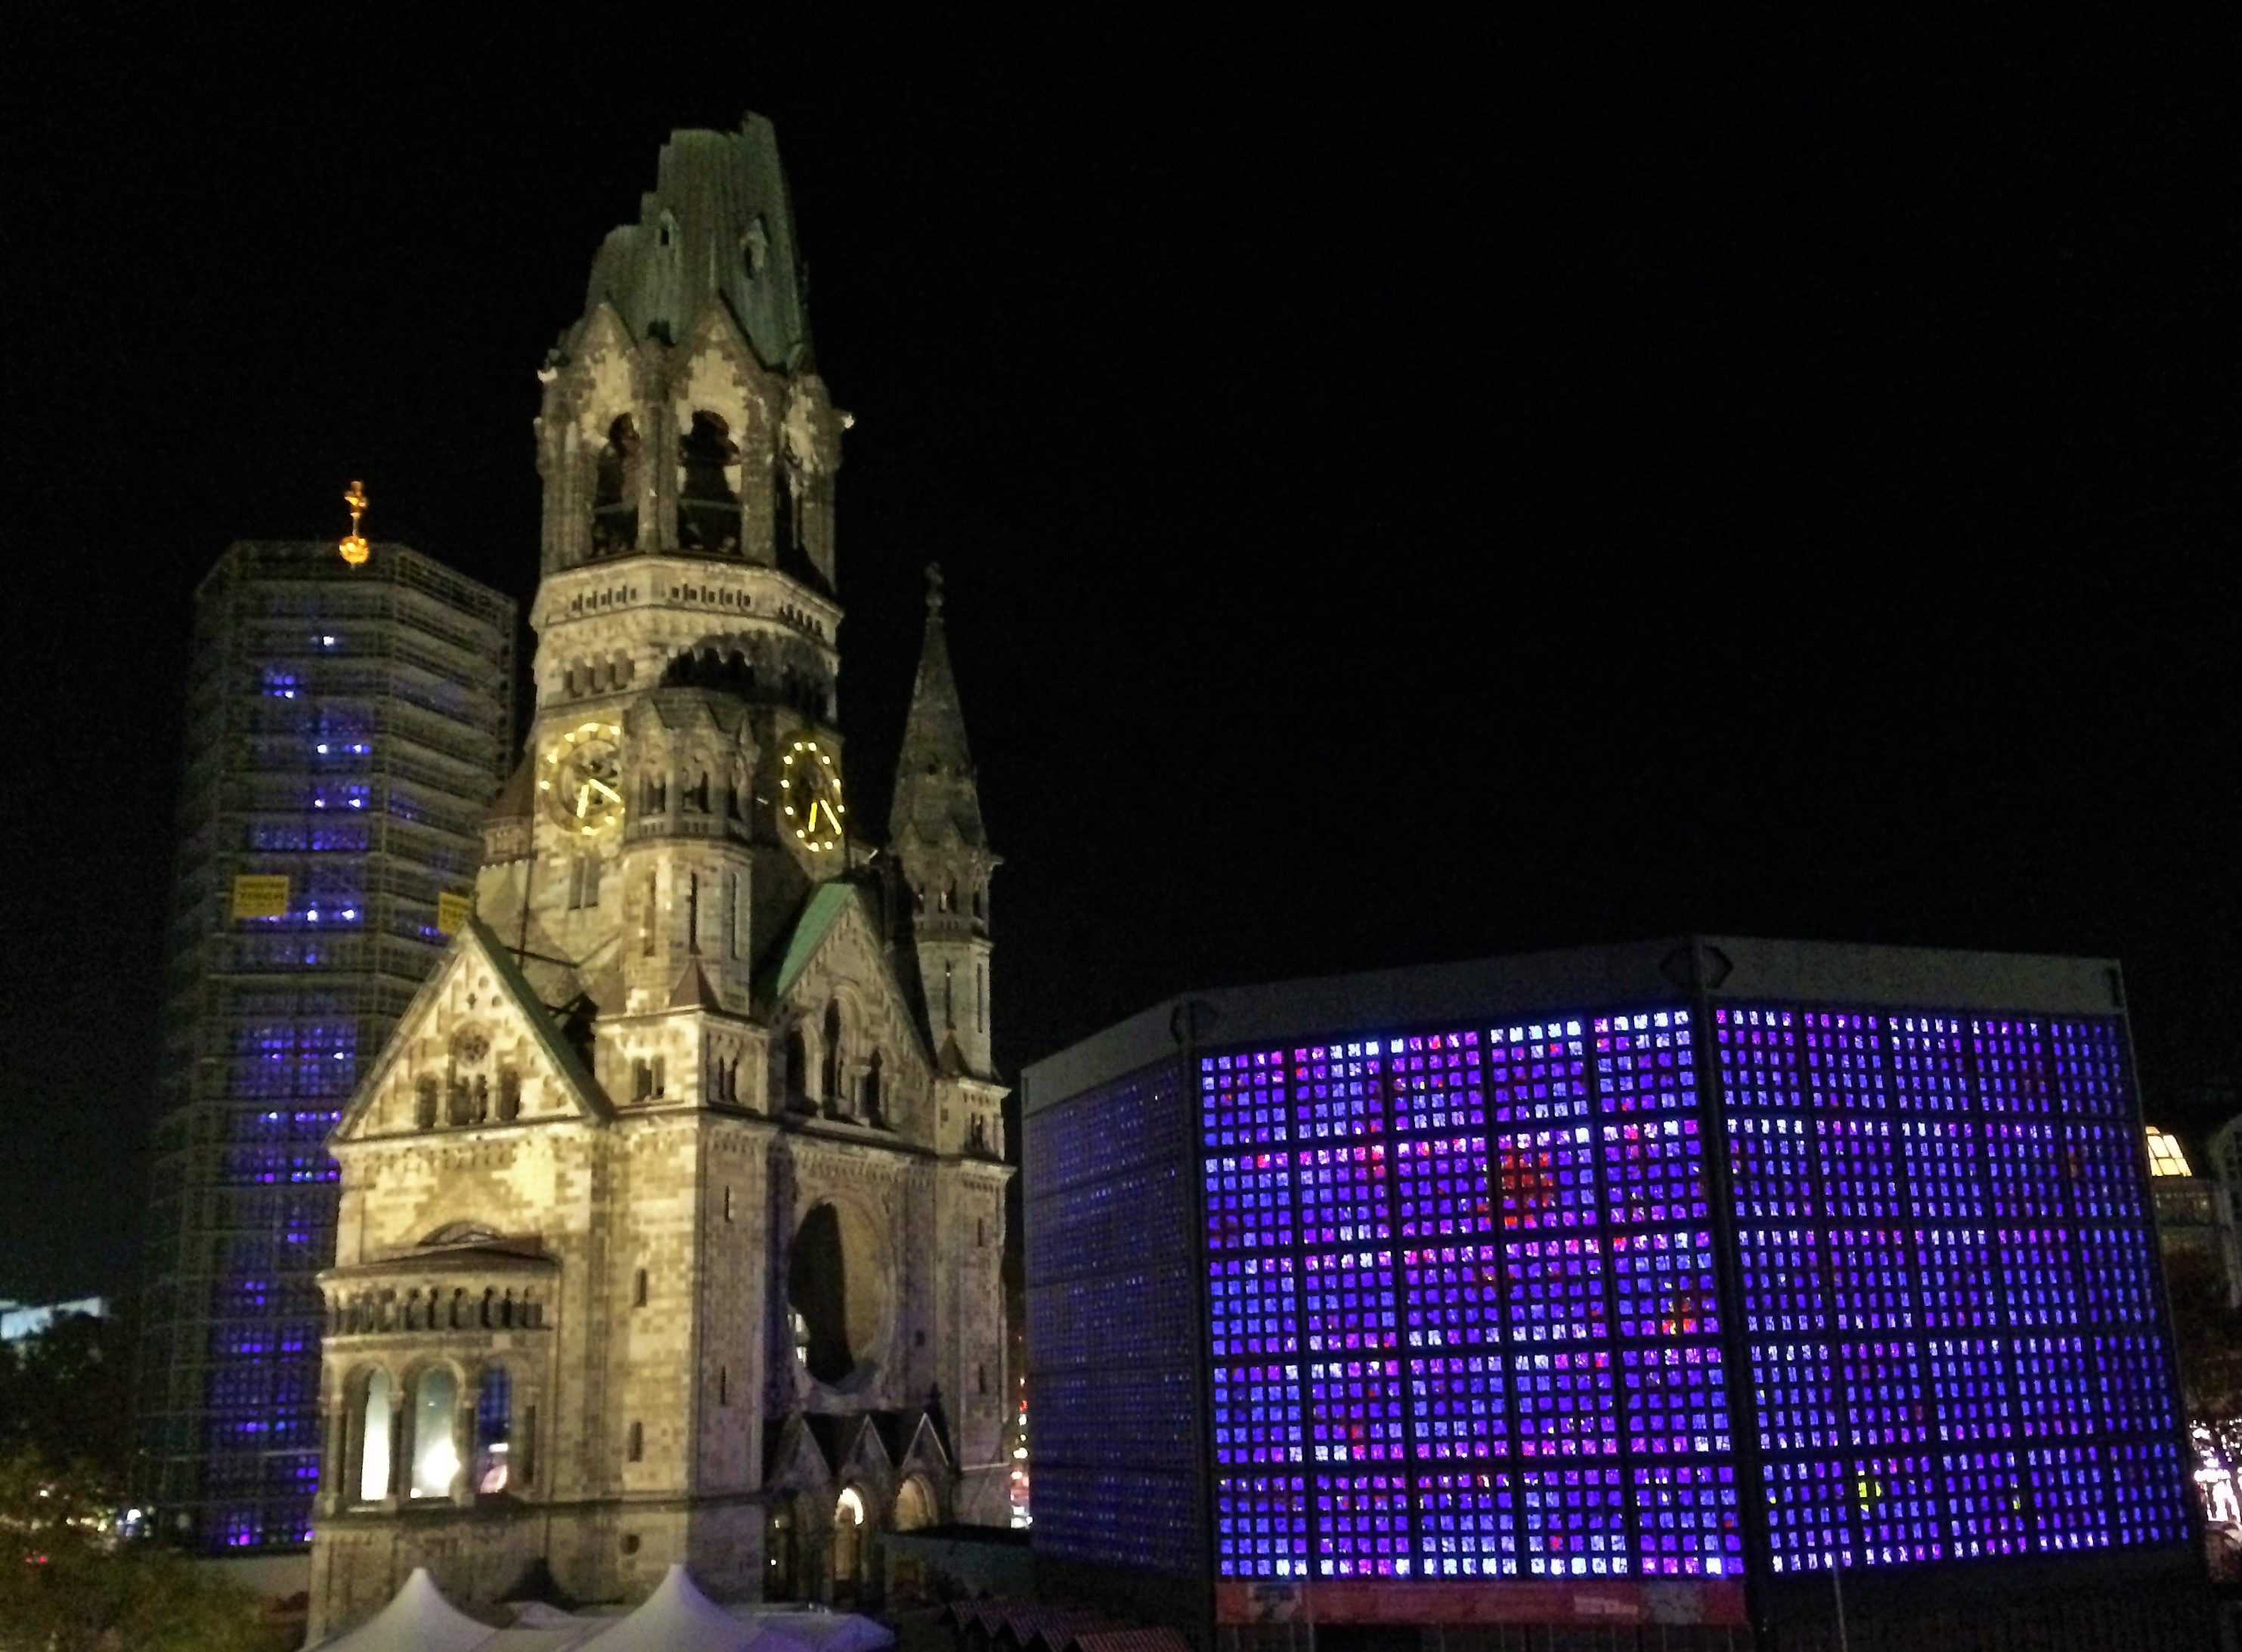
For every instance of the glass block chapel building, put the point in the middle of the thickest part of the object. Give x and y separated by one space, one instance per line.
1632 1286
346 727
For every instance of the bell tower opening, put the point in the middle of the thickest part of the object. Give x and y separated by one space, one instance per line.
708 508
615 493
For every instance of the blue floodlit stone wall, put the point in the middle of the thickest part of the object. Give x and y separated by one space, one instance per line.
1467 1314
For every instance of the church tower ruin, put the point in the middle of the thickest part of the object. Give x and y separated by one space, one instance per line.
671 1216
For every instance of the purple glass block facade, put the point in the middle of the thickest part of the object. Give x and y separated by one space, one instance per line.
1485 1256
1670 1297
1520 1318
1951 1358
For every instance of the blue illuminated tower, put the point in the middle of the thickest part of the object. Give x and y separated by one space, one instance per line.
346 727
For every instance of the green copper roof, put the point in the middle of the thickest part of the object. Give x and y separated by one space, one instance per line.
717 225
817 919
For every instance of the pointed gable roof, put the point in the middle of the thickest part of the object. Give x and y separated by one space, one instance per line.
935 795
477 943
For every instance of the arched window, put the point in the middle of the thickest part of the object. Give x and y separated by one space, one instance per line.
509 1095
914 1504
836 1062
435 1453
424 1103
848 1538
494 1430
614 509
376 1429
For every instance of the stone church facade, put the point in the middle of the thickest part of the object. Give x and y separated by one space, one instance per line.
672 1215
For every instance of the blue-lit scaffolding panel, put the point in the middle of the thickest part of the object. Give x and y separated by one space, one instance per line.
346 728
1640 1286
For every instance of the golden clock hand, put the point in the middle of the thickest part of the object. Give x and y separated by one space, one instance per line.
606 791
584 799
811 824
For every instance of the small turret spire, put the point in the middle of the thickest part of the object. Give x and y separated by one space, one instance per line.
935 796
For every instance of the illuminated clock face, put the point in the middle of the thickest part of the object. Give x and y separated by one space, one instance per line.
579 777
809 806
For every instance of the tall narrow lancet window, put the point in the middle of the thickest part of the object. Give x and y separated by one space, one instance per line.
374 1439
836 1066
493 1429
708 508
614 506
435 1453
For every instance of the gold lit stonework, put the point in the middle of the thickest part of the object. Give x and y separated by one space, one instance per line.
353 547
809 797
580 778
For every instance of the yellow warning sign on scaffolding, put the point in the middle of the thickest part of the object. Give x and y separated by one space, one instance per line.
453 911
260 894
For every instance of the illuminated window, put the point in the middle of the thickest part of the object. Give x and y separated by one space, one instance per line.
1253 1301
377 1423
1336 1094
1261 1526
1444 1187
2166 1156
1808 1505
494 1430
1468 1526
1242 1098
1677 1402
1347 1301
1574 1522
1536 1073
1687 1519
1458 1403
1454 1295
435 1452
1257 1414
1342 1192
1355 1411
1565 1404
1362 1527
1438 1083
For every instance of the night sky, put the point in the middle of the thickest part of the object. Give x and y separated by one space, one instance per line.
1409 491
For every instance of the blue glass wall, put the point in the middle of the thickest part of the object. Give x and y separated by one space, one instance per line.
1112 1320
1469 1314
1949 1274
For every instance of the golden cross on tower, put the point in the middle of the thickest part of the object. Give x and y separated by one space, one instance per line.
353 547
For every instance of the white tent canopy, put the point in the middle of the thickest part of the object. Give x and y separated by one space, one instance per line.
419 1618
676 1617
